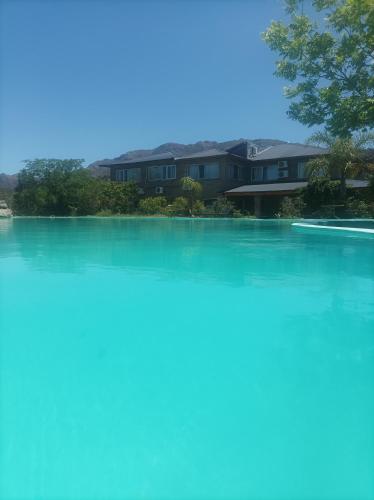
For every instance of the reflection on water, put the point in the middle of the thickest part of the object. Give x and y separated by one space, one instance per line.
234 251
184 359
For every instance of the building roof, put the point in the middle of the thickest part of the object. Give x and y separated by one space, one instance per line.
165 156
280 187
143 159
204 154
288 150
261 188
279 151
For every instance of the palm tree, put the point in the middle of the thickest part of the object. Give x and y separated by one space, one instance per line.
193 188
347 157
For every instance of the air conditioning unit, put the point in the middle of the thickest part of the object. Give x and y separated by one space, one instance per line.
140 191
159 190
283 164
282 174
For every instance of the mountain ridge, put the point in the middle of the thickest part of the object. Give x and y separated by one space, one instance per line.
179 149
9 181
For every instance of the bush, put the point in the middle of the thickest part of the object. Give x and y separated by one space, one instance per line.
180 206
7 196
291 207
359 208
104 213
222 206
118 197
321 192
153 205
237 214
198 207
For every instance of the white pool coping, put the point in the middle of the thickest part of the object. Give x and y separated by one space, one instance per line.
335 228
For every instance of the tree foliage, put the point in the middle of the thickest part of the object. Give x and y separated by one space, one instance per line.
153 205
347 158
64 187
50 187
320 192
118 197
291 208
328 58
180 206
193 190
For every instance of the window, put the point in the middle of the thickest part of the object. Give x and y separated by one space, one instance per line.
301 170
161 172
257 174
128 174
272 173
208 171
236 172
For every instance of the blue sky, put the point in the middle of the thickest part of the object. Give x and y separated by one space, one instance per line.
93 79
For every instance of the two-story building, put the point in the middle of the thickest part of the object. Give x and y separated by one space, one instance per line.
242 173
217 170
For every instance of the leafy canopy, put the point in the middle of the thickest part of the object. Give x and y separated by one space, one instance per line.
192 189
329 58
347 158
64 187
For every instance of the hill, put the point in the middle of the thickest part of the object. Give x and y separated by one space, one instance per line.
179 150
9 182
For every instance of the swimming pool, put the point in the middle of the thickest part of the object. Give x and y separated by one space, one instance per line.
194 359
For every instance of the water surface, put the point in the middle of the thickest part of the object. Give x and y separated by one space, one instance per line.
185 359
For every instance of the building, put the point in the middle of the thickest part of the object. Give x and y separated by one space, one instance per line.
255 180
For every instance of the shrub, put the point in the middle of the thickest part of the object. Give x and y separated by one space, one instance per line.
153 205
198 207
180 206
359 208
104 213
291 207
7 196
118 197
237 214
223 206
321 192
192 189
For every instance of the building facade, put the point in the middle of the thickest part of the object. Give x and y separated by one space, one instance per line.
241 173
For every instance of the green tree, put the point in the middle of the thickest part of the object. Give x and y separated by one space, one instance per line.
320 192
153 205
7 196
193 190
328 57
51 187
223 206
347 157
118 197
180 206
291 208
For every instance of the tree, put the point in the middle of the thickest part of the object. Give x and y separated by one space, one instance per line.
118 197
329 60
193 190
291 208
346 158
319 193
51 187
153 205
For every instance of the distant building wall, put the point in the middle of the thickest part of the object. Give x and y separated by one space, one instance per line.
231 172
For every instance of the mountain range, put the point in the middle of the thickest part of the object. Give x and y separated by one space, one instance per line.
10 181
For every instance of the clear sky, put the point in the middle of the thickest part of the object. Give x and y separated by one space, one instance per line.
93 79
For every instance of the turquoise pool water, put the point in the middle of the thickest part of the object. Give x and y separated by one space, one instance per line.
185 359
